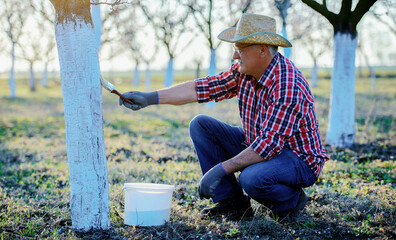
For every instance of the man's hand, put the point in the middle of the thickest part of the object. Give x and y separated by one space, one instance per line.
210 181
141 99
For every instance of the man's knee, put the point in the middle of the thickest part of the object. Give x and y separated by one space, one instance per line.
197 124
253 185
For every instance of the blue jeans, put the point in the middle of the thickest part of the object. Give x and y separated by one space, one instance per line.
275 183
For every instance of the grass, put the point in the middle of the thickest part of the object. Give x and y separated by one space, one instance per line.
354 198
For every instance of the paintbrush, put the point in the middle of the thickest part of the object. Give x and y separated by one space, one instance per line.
110 87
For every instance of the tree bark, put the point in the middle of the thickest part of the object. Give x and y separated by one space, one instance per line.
341 131
82 98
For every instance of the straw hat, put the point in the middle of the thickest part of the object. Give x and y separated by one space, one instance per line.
254 28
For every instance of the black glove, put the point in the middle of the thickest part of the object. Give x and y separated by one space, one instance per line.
141 99
210 181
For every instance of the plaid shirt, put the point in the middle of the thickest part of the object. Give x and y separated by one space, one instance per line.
277 112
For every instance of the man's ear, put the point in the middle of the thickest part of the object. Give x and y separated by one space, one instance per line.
264 50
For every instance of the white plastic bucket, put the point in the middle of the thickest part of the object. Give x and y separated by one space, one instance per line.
147 204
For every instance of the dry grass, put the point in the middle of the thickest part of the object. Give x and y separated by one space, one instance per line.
354 199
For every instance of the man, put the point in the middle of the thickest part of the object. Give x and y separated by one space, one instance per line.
278 151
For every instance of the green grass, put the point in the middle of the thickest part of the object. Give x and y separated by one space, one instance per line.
354 198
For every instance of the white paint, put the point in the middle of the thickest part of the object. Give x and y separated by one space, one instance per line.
286 51
212 71
82 98
97 20
32 79
11 80
314 74
148 77
341 131
373 78
44 78
169 74
136 76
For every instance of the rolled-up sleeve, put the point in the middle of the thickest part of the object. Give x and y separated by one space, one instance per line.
218 87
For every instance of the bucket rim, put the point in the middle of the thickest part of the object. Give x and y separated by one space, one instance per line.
148 186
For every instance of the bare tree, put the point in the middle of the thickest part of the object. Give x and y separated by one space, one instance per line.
314 35
385 12
168 28
32 53
46 16
82 97
341 130
13 15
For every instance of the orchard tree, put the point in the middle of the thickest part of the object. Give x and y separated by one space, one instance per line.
44 11
341 130
82 98
13 15
168 28
314 36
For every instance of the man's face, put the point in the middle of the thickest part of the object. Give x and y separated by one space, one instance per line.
250 57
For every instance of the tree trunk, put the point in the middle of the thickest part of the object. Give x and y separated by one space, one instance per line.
212 71
136 76
286 51
169 74
373 78
11 80
341 129
44 78
82 97
32 79
314 75
148 77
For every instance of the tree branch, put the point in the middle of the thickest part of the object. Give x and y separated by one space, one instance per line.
322 9
361 8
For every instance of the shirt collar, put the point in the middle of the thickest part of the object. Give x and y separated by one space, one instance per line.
266 79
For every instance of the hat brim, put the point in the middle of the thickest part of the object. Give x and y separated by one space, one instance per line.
270 38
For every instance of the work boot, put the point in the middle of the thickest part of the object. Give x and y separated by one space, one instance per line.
232 207
292 214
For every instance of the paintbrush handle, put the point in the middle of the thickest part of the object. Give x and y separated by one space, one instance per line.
122 97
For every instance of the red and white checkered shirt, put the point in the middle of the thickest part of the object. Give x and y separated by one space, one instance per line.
277 112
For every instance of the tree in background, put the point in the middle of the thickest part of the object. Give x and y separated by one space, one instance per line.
385 12
32 53
341 130
45 14
168 28
82 98
13 17
283 6
314 36
205 19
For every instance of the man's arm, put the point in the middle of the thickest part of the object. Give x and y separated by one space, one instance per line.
244 159
176 95
179 94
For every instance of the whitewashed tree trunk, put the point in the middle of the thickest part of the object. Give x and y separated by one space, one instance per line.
82 97
44 78
32 79
212 71
314 74
11 80
136 76
341 129
148 77
286 51
97 20
169 74
373 78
